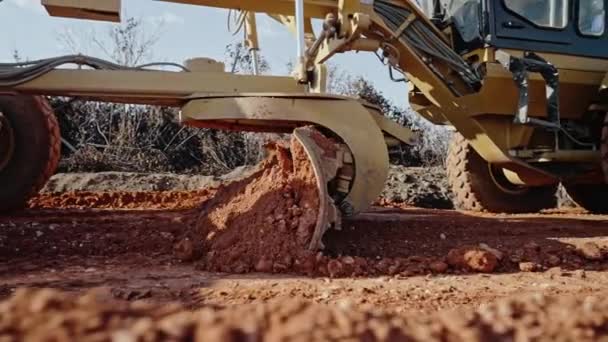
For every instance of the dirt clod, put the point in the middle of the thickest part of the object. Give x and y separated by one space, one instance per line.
591 251
184 250
438 266
473 259
528 266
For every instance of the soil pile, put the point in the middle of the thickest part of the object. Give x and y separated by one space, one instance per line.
263 222
128 181
46 315
122 200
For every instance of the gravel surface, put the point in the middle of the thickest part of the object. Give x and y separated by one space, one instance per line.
229 263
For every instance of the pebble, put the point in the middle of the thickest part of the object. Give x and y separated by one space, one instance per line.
334 267
472 259
591 251
438 266
263 265
528 266
553 260
498 254
532 246
581 274
184 250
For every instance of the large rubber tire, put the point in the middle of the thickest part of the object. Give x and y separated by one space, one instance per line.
36 149
604 148
593 197
475 189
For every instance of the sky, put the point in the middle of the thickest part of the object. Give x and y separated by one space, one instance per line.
185 31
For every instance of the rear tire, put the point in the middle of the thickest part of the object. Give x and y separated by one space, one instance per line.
594 197
604 148
34 155
478 187
591 197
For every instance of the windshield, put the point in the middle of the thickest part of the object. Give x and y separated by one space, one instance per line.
592 17
546 13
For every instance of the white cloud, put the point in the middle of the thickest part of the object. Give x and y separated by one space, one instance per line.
167 18
32 5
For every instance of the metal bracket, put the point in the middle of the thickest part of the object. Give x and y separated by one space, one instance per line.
520 68
410 19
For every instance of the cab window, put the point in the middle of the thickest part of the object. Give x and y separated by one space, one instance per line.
591 17
545 13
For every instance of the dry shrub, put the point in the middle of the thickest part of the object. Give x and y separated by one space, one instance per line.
115 137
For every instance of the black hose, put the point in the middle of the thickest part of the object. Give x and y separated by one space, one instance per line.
14 74
424 41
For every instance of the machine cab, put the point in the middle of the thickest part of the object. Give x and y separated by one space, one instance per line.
573 27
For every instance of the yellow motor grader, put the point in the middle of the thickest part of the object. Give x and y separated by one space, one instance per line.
522 82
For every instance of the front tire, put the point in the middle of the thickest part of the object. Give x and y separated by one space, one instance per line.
477 186
31 148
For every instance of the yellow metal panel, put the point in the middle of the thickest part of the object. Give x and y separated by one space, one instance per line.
151 87
362 135
314 8
105 10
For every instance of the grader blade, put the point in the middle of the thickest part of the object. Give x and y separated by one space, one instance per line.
326 158
348 153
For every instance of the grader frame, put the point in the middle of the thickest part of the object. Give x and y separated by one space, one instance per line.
472 91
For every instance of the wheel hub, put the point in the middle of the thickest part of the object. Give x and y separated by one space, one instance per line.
7 141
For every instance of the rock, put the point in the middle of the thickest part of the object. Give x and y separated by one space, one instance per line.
184 250
393 269
383 265
305 263
348 260
438 267
498 254
334 267
553 260
282 226
517 255
472 259
264 265
532 247
581 274
590 251
529 266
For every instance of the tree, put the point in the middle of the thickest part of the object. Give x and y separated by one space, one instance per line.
434 139
239 60
16 56
130 43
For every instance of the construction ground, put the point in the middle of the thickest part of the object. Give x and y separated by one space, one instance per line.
83 263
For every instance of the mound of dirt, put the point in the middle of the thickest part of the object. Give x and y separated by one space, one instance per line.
263 222
121 200
127 181
46 315
137 182
413 186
